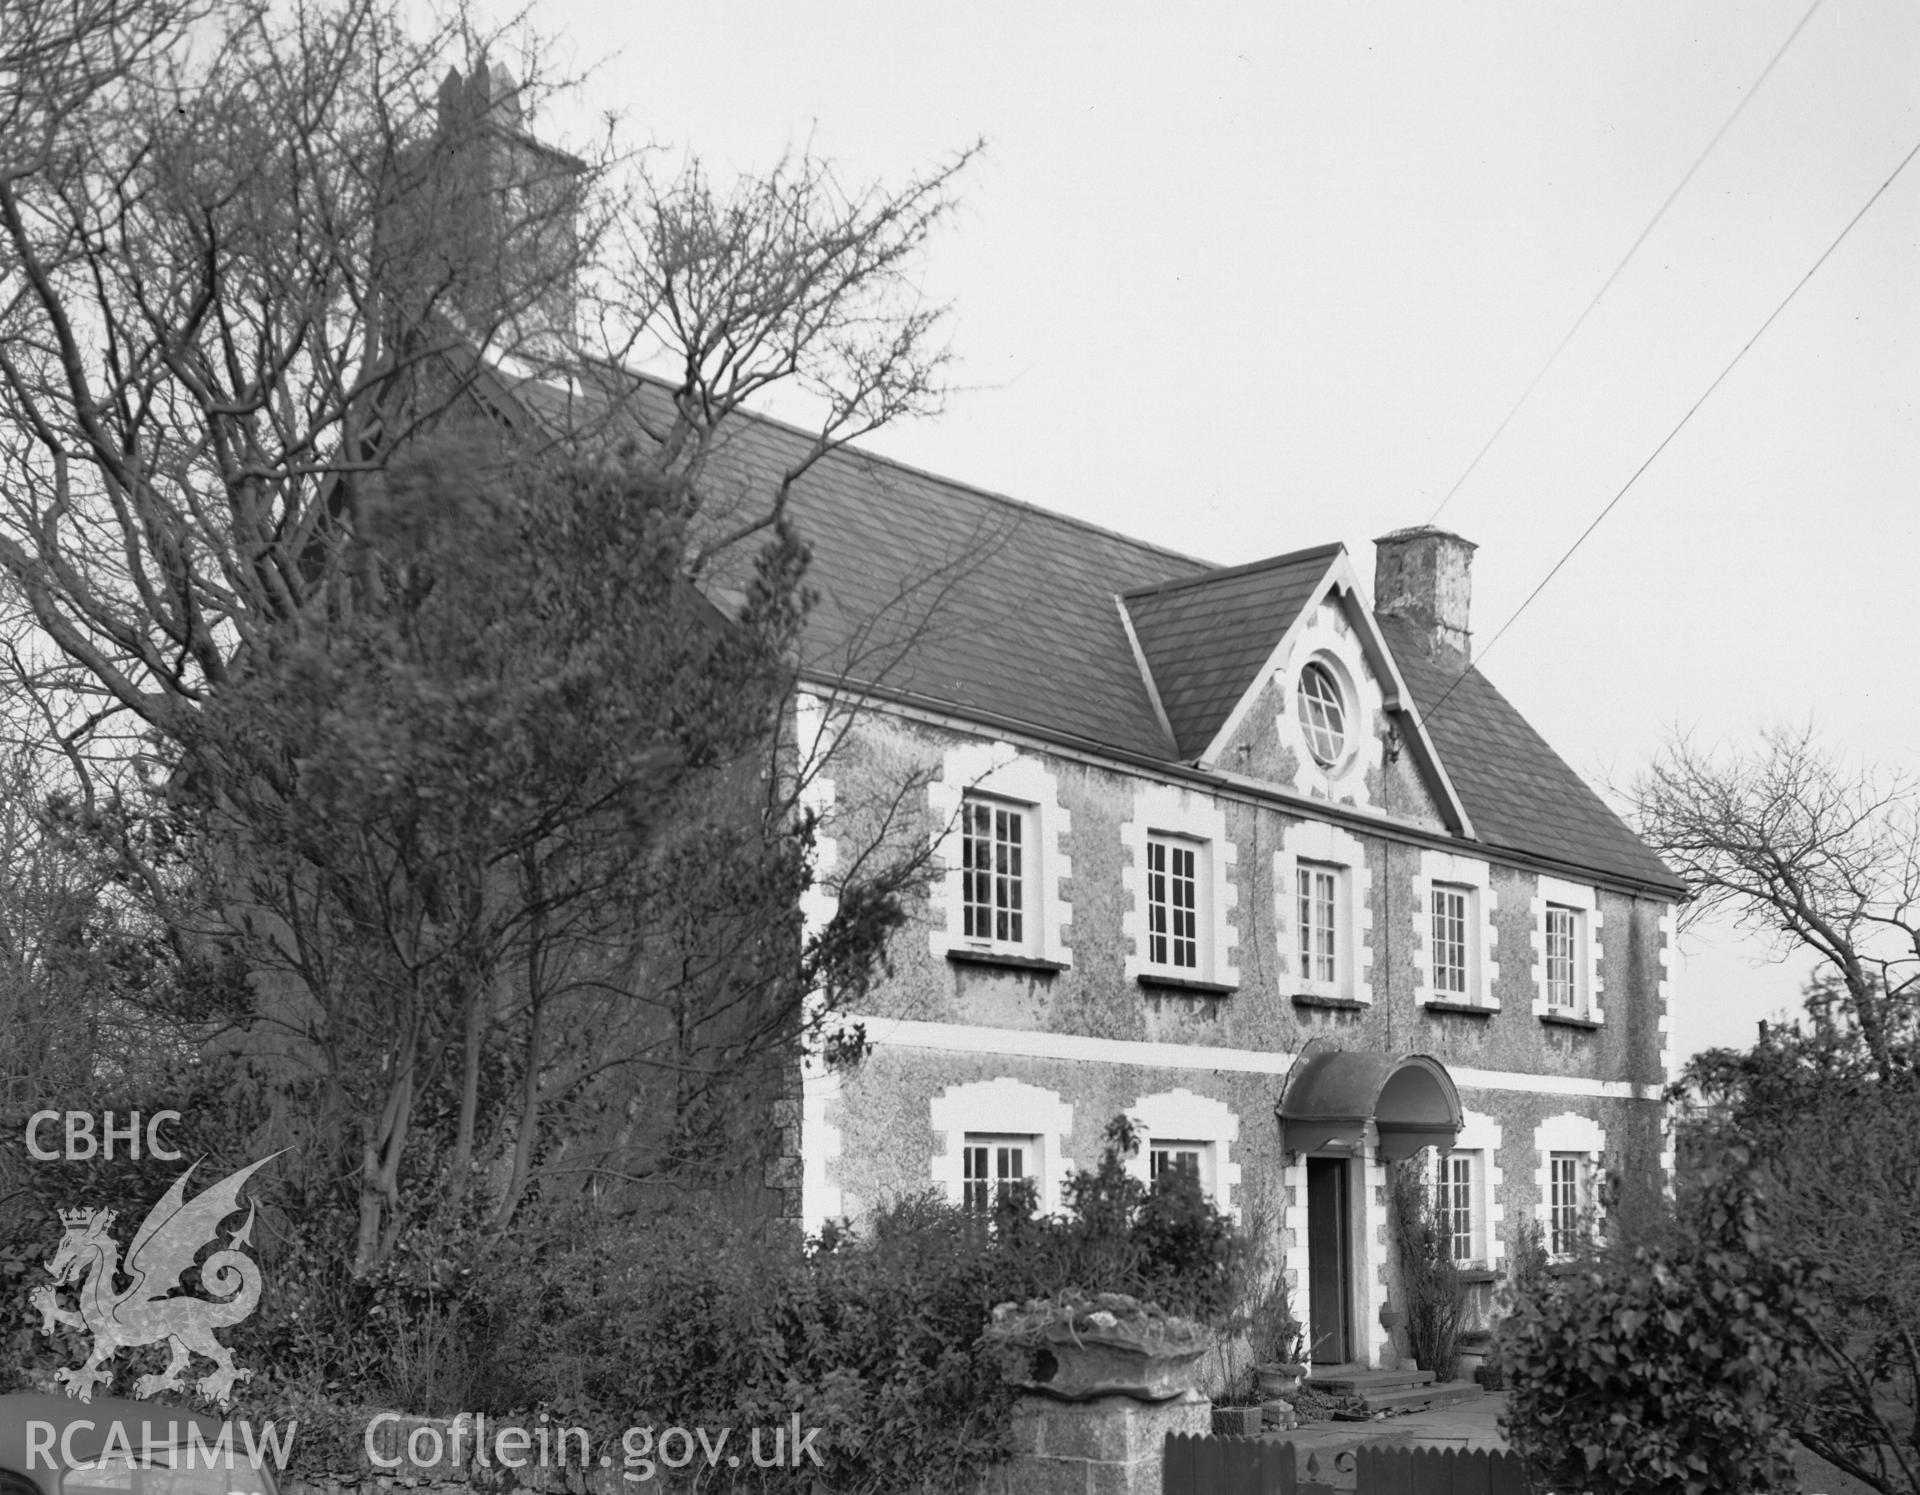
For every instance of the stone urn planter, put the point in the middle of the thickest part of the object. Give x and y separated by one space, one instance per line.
1080 1346
1279 1379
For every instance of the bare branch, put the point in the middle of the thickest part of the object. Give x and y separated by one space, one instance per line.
1798 845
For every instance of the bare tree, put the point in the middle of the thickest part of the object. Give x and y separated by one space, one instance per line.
1798 845
1823 856
237 277
787 279
251 259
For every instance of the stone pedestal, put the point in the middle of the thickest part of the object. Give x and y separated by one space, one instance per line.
1112 1445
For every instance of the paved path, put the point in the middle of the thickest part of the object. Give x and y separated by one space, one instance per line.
1469 1424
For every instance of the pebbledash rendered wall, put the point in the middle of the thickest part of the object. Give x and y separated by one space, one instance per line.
1100 1043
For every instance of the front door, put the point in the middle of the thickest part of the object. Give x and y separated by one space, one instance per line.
1328 1297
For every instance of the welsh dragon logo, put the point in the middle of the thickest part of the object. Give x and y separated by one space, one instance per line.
146 1312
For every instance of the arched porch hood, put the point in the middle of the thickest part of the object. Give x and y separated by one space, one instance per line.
1331 1094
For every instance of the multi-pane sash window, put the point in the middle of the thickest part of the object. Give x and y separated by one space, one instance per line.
1319 923
993 867
1563 1202
1165 1157
990 1168
1562 925
1453 1205
1450 906
1173 900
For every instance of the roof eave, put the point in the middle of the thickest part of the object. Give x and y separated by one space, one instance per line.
971 719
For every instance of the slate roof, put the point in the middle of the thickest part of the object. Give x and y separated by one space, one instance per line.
980 605
967 600
1520 793
983 605
1205 637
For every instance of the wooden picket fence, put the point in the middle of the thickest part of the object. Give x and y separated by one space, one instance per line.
1197 1464
1438 1471
1200 1465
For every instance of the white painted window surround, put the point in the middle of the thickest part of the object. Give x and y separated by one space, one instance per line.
1002 1107
814 734
1314 843
820 1199
1569 1133
1479 1142
816 731
1186 814
1450 869
1584 901
1181 1115
1322 705
997 771
996 889
992 1164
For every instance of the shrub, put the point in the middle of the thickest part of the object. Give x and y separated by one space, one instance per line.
610 1322
1165 1243
874 1337
1275 1334
1191 1257
1846 1175
1665 1367
1436 1297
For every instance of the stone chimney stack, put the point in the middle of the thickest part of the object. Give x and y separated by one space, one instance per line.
1422 575
505 213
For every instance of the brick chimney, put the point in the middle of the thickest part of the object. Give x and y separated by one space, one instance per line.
1422 576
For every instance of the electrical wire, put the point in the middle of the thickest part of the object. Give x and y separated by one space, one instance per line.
1680 425
1633 249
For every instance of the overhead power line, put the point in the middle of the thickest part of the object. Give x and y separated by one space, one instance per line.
1692 409
1632 249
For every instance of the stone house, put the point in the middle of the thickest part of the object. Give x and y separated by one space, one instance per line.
1251 854
1246 853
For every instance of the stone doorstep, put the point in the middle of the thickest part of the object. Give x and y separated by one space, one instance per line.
1354 1380
1394 1390
1412 1398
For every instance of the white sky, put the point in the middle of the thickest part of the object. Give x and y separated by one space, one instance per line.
1241 278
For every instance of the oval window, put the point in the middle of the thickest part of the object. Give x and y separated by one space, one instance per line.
1323 715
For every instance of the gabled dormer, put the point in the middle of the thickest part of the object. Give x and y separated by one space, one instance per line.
1278 673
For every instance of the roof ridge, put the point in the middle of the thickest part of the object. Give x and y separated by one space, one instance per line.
1221 573
866 454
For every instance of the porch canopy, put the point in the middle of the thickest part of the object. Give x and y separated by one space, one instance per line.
1331 1096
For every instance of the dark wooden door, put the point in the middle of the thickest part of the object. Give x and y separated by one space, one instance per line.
1327 1261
